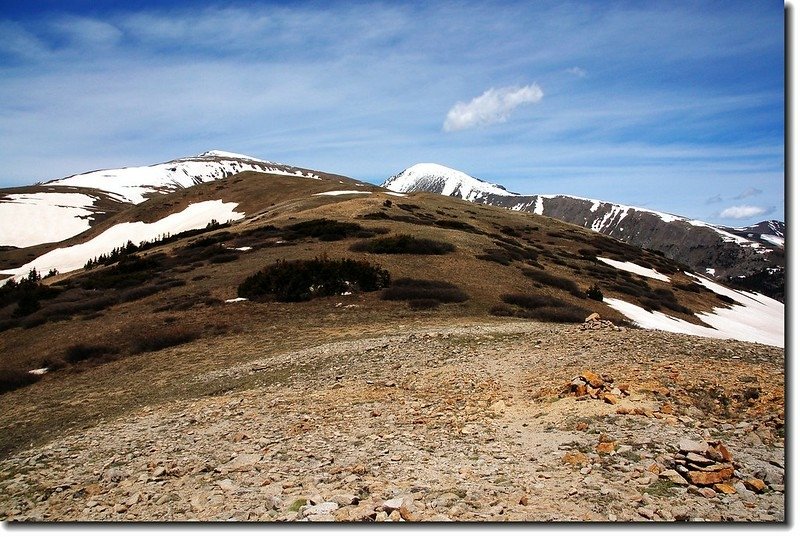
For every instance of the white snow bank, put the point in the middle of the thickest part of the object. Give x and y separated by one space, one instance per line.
195 216
341 192
634 268
237 299
754 318
228 154
396 194
29 219
40 371
774 239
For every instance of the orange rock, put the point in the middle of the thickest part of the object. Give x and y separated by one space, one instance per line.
580 390
610 398
719 452
724 488
582 426
623 410
666 408
709 478
606 447
593 392
575 458
523 500
755 484
655 468
593 379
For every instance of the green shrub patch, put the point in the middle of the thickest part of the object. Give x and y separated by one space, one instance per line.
403 244
301 280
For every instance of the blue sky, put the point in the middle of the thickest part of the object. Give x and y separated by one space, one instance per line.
675 106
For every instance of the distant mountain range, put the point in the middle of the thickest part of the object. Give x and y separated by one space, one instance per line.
751 257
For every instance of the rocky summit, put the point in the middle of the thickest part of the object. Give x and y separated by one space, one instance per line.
454 422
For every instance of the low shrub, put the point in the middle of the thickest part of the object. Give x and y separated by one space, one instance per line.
495 255
502 310
552 280
594 293
458 225
562 314
532 301
323 229
83 352
11 379
225 257
155 339
301 280
403 244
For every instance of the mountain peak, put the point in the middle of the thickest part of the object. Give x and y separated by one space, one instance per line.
431 177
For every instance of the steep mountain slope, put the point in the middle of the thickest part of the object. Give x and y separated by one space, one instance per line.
752 258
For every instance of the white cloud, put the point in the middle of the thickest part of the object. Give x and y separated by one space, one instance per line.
743 211
494 106
577 71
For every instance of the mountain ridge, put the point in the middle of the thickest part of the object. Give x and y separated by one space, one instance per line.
740 256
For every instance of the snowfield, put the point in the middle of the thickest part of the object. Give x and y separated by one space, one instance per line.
56 216
754 317
195 216
135 183
635 269
341 192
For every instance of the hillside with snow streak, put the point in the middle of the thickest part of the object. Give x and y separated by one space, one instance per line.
195 216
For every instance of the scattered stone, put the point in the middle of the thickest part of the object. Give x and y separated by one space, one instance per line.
610 398
756 485
605 448
724 488
575 458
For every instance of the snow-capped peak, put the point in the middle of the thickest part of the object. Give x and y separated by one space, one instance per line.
134 184
430 177
216 153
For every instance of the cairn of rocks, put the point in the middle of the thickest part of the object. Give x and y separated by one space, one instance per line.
590 385
704 463
594 322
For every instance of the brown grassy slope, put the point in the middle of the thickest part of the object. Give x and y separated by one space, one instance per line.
226 333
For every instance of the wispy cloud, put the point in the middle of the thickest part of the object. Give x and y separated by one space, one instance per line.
749 193
714 199
493 106
740 212
577 71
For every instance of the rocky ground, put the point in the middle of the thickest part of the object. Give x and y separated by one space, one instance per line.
487 422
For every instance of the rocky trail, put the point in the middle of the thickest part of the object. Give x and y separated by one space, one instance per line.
492 422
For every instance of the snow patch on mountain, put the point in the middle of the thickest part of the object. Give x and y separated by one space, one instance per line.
773 239
135 183
341 192
635 269
754 317
195 216
42 217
